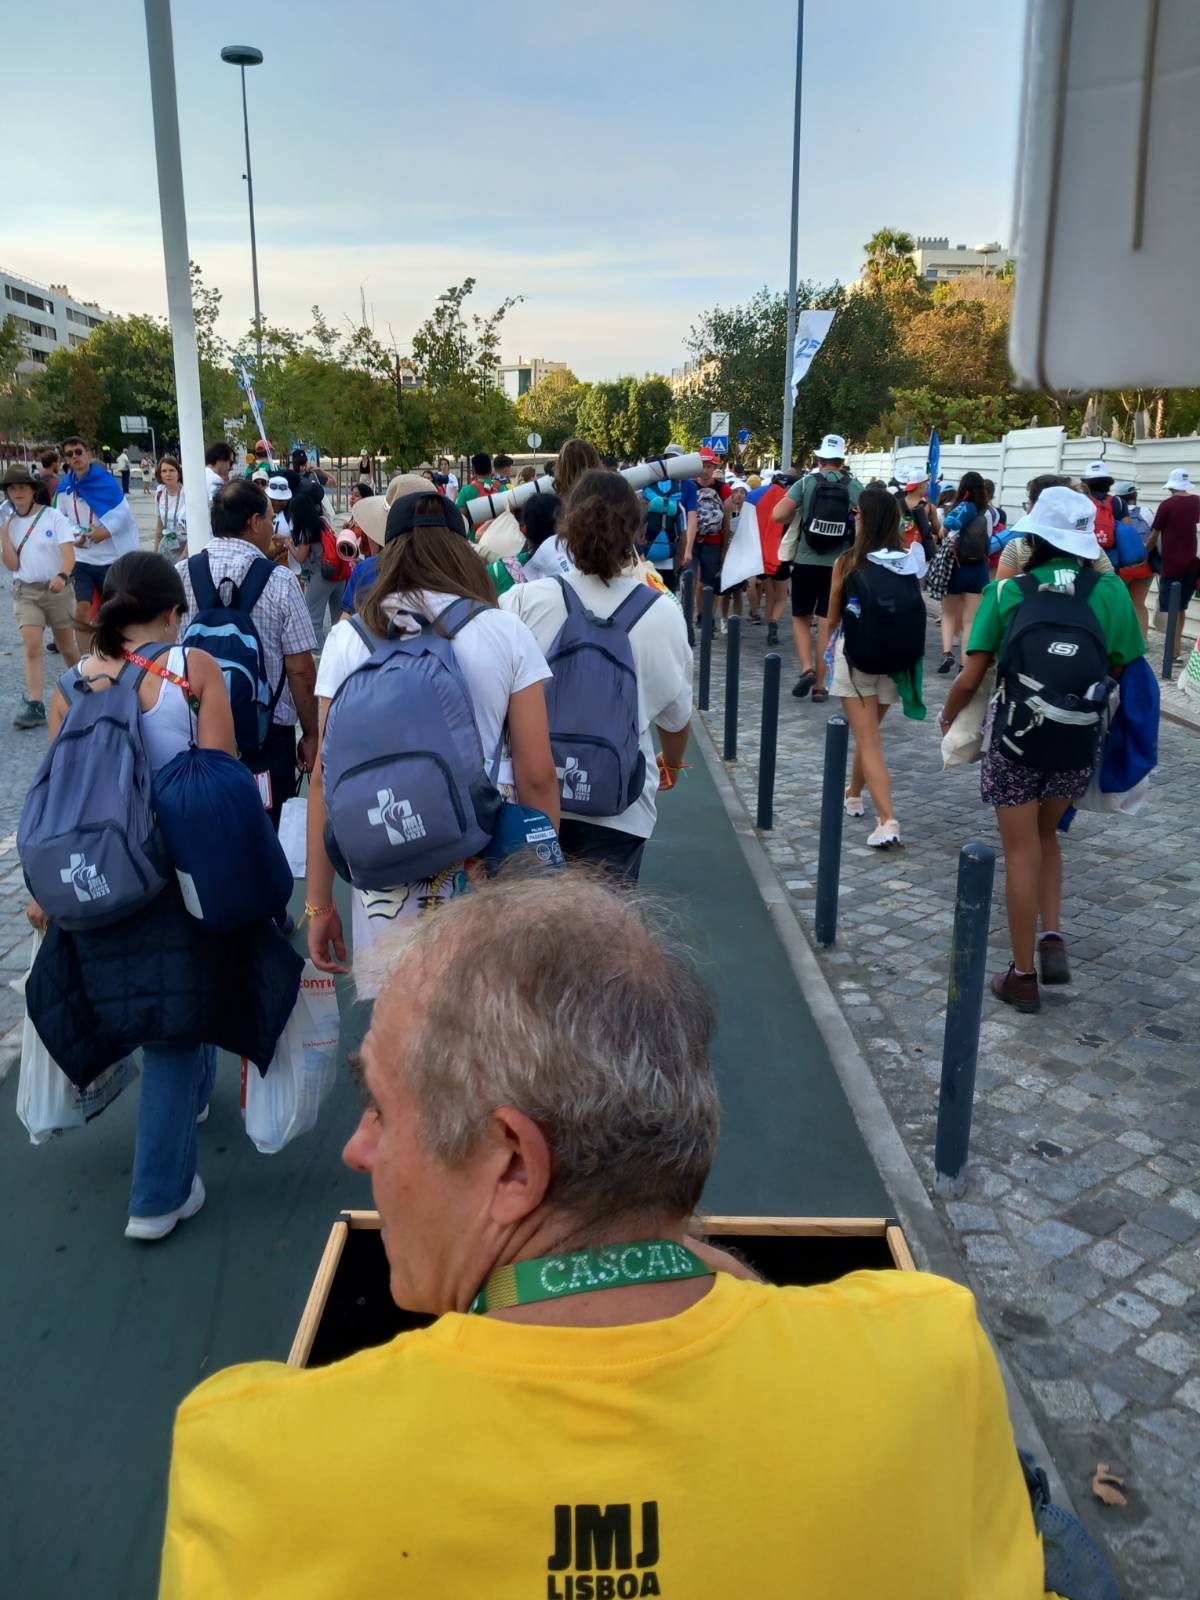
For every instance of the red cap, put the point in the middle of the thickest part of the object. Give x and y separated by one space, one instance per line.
709 455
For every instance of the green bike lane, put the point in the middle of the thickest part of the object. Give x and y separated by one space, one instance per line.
101 1338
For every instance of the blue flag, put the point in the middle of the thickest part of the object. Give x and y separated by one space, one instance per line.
932 464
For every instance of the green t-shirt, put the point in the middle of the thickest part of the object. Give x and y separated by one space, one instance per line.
801 494
1109 600
471 491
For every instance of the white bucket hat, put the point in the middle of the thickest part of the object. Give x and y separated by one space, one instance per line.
832 448
1066 519
1181 478
277 489
1097 469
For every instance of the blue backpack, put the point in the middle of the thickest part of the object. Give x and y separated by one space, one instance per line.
230 865
662 519
407 791
88 839
592 706
227 632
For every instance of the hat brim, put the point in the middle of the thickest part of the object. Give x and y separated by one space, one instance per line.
1078 542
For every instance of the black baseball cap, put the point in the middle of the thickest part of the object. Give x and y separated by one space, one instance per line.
403 516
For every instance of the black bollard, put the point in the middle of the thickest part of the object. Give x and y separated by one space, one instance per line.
829 845
706 627
964 1007
687 597
772 669
733 667
1174 596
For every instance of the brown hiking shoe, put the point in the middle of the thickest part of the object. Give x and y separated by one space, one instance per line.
1052 955
1017 989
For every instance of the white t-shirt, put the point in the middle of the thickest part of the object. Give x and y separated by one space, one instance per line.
122 528
549 560
662 659
498 657
172 508
283 530
40 560
214 480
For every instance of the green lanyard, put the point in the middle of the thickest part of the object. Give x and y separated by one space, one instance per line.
612 1266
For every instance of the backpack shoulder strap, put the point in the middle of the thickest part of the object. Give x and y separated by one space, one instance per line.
257 576
457 614
203 587
361 629
635 606
575 606
66 684
1086 582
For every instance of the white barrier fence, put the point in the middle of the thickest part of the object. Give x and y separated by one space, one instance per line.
1029 452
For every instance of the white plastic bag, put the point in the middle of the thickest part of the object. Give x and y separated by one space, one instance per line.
963 742
285 1103
293 835
47 1101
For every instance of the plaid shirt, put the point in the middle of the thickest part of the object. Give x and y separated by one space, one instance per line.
281 616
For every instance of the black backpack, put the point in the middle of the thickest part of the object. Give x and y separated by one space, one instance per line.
1053 678
971 546
827 527
885 631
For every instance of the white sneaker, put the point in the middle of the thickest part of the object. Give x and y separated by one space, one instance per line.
724 626
887 833
854 805
160 1227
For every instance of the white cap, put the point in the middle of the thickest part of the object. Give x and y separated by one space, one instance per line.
909 477
1181 478
1097 469
1064 518
832 448
277 488
260 475
672 450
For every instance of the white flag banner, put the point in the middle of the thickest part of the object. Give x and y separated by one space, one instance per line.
743 558
810 336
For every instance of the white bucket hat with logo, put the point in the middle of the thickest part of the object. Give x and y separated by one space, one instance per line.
832 448
277 489
1181 478
1097 469
1066 519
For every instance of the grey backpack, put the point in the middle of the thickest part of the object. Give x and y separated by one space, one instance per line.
88 839
407 791
592 706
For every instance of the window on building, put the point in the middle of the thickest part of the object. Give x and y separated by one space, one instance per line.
15 294
36 301
931 272
76 340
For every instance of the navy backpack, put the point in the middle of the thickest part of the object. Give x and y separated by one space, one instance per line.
227 631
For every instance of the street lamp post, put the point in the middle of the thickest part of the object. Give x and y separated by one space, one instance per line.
243 56
793 255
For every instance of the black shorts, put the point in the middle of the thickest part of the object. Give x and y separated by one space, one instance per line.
810 590
782 573
89 583
1187 590
706 559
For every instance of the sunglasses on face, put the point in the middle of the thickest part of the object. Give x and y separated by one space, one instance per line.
70 453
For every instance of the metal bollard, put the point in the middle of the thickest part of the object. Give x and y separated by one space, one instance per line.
706 627
733 668
772 671
964 1007
1174 596
687 596
829 845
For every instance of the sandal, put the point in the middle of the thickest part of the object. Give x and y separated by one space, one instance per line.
820 696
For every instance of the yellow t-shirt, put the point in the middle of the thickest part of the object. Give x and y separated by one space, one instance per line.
850 1440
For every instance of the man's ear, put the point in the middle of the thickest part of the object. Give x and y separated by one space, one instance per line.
522 1165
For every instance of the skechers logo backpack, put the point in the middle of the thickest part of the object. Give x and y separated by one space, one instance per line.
407 791
227 631
1053 680
88 838
592 706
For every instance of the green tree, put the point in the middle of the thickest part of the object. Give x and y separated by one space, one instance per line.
552 409
648 426
602 416
16 411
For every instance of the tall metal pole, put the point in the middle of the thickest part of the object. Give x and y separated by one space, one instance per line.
253 240
793 254
161 51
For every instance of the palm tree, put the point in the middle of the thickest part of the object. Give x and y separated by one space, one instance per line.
889 257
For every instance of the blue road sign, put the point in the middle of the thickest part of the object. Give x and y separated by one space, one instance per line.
718 442
743 435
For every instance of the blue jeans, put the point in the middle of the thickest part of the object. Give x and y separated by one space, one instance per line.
177 1080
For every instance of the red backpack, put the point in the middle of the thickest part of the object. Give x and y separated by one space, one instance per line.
333 566
1106 524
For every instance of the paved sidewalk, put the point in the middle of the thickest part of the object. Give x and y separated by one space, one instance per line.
1080 1225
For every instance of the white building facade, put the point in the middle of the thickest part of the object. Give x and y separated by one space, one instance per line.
938 261
48 317
520 376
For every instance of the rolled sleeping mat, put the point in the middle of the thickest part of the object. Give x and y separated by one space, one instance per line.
486 506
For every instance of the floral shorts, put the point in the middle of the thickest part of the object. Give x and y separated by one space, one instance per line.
1003 782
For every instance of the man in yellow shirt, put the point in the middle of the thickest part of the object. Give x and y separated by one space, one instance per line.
596 1412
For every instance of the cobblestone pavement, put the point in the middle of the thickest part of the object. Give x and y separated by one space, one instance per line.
1081 1220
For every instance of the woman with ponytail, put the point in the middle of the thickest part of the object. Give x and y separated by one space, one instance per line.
183 701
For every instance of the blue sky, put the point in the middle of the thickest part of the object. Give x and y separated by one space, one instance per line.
583 155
